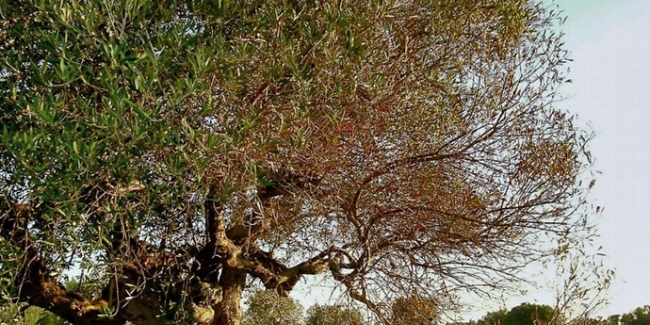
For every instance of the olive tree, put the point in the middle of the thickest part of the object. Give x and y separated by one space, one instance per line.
530 314
415 310
172 152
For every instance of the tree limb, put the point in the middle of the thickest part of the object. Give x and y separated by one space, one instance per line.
36 286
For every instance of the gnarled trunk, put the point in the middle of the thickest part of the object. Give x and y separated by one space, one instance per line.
228 310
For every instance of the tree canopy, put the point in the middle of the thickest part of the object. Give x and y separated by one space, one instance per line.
175 151
415 310
333 315
639 316
529 314
267 308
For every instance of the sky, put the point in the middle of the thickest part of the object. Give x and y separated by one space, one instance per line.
609 41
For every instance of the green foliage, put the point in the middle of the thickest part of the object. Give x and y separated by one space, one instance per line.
640 316
524 314
19 315
267 308
529 314
48 318
333 315
493 318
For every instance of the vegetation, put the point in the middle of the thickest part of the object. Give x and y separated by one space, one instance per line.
175 151
415 310
333 315
266 308
524 314
18 315
543 314
640 316
22 314
530 314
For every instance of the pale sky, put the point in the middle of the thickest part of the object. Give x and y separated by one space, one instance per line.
609 41
610 44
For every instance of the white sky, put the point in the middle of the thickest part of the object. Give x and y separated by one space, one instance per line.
610 43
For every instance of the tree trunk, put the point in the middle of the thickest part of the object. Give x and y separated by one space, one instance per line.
228 310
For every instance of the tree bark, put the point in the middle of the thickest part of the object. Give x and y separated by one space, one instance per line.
228 310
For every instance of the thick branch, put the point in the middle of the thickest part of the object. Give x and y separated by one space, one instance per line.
40 289
216 227
35 284
275 275
37 287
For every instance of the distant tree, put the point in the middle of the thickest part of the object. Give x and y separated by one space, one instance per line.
493 318
524 314
333 315
640 316
584 320
614 319
471 322
529 314
267 308
415 310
